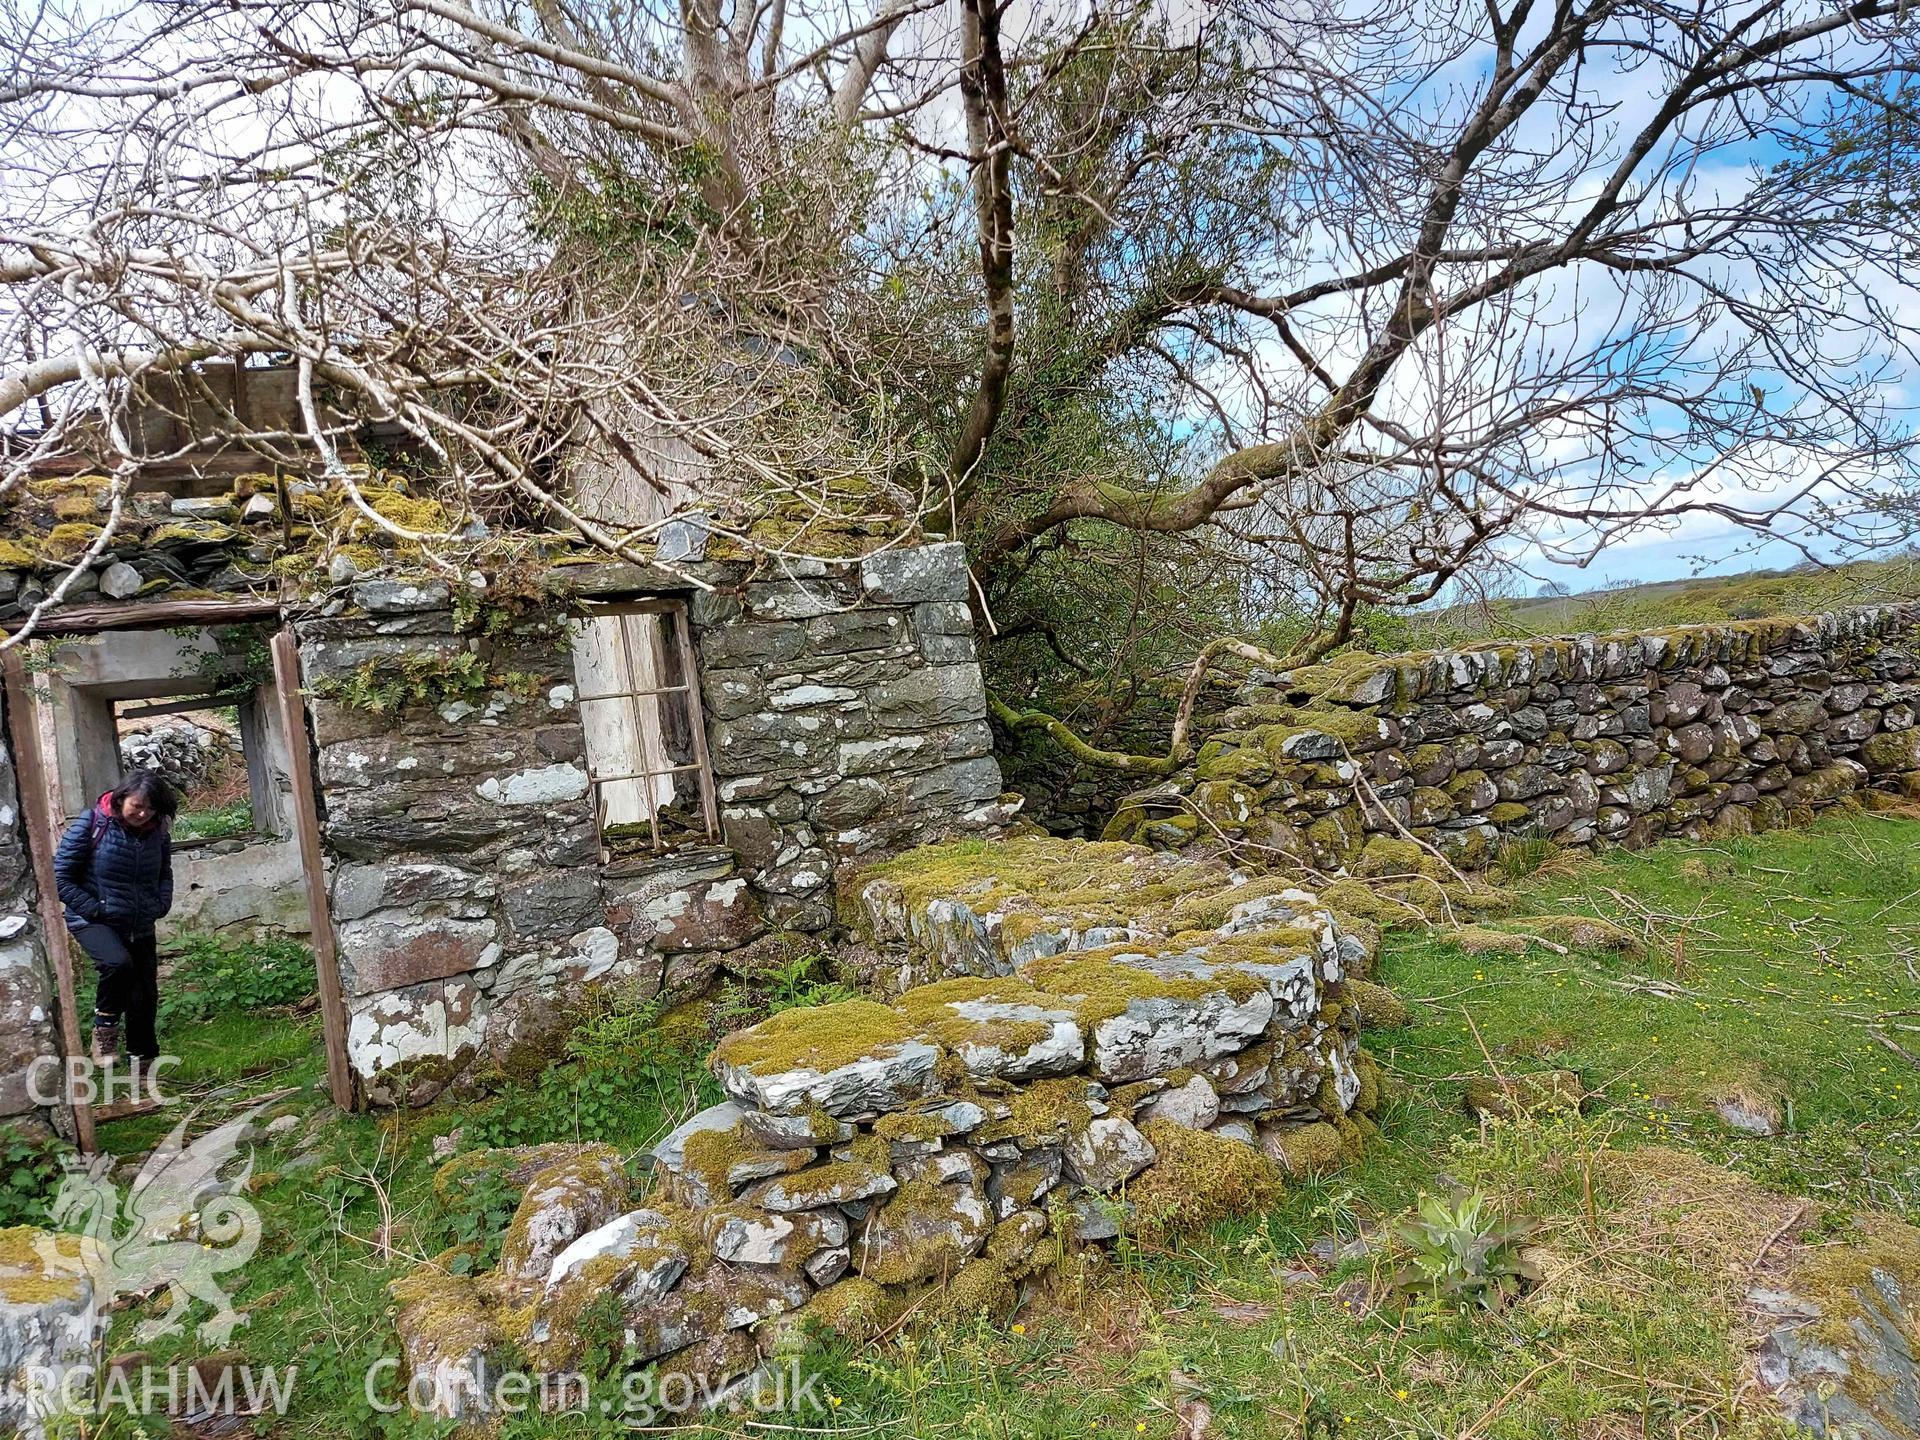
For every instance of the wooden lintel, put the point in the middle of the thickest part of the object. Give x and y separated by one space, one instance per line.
148 615
200 700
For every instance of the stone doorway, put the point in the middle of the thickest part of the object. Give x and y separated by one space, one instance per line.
93 683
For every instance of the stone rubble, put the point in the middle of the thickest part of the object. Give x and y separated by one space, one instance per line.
871 1153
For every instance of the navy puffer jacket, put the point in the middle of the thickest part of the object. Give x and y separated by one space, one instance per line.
108 872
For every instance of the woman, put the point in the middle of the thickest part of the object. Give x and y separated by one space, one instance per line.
114 872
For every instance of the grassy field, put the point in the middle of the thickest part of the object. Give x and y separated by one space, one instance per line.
1781 974
1657 603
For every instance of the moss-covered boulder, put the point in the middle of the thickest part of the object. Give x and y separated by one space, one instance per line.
562 1202
448 1338
1507 1097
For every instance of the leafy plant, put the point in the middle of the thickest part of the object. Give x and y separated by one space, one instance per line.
30 1177
217 823
212 976
1463 1253
477 1220
241 657
795 985
429 679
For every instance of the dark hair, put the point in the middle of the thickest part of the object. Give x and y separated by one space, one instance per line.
152 787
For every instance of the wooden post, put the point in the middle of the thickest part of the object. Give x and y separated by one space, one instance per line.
42 821
306 827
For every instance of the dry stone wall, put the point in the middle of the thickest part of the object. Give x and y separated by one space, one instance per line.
845 719
26 985
1123 1039
1708 730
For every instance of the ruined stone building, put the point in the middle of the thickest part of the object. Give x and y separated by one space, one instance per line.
530 768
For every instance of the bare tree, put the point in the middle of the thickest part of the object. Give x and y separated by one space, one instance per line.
1341 300
595 271
1487 277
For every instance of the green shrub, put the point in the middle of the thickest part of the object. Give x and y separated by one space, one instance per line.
1522 855
235 818
799 983
430 679
31 1174
213 976
477 1220
622 1078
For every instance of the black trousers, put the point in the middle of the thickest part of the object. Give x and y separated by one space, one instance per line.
129 970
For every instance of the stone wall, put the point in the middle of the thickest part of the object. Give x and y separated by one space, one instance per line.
26 982
845 718
1710 730
1124 1040
846 715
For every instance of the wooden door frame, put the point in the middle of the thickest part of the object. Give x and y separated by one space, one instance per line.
41 812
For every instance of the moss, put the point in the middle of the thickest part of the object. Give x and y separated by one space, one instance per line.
711 1154
981 1287
1479 940
1509 812
1211 911
1367 1100
67 543
1384 856
563 1308
1346 897
1311 1149
817 1037
1843 1279
911 1238
1508 1097
1198 1179
1465 782
1583 932
24 1276
442 1314
855 1309
1097 986
193 532
1236 765
1044 1111
409 512
589 1168
928 1008
1337 833
15 555
827 1184
1378 1007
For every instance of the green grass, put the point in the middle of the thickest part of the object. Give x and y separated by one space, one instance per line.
233 818
1779 958
1702 600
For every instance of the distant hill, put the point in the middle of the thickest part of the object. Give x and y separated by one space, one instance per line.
1803 590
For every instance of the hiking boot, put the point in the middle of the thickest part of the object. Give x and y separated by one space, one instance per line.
106 1044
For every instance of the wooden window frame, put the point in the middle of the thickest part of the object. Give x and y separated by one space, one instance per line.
678 660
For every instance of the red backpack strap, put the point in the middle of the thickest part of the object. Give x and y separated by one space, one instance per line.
97 829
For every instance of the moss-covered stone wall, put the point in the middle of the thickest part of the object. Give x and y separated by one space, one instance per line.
1124 1042
1702 731
845 719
